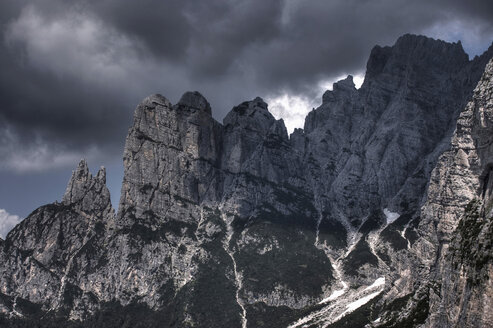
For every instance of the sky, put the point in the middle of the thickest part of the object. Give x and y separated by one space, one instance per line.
72 72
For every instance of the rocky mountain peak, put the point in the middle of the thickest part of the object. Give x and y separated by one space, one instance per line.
194 101
414 53
377 61
410 45
409 41
89 192
259 102
278 129
248 108
235 225
346 84
342 89
153 101
251 115
150 115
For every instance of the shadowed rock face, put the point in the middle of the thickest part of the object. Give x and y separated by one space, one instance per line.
239 225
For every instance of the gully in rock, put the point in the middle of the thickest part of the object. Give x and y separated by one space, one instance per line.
376 214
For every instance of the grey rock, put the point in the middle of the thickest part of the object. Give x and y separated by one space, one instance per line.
456 225
238 225
47 251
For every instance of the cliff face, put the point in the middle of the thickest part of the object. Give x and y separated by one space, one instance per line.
48 258
456 224
239 225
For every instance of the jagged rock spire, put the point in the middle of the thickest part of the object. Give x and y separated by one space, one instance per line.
87 191
77 183
202 201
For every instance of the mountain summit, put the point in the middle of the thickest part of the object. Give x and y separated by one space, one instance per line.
240 225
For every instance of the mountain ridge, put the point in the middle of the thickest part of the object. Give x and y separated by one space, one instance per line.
239 224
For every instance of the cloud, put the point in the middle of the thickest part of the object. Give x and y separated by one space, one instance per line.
7 222
72 72
38 155
63 89
294 108
74 46
453 30
162 26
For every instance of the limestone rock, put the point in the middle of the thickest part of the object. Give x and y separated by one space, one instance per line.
238 225
456 225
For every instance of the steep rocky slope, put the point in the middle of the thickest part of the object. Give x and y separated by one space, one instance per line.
239 225
47 259
456 229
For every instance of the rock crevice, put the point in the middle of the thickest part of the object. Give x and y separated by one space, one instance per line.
238 225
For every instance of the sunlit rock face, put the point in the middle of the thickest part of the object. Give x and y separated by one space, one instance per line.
240 225
456 230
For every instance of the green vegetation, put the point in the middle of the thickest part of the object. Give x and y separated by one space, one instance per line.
264 316
332 232
416 317
392 235
112 315
468 230
473 243
297 264
375 220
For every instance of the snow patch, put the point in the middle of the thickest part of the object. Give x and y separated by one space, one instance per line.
358 303
391 216
334 311
379 282
335 294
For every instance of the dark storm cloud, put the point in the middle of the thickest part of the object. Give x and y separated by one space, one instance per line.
39 108
72 72
162 25
475 9
221 37
40 103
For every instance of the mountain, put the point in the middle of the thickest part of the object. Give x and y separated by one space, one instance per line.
240 225
456 227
